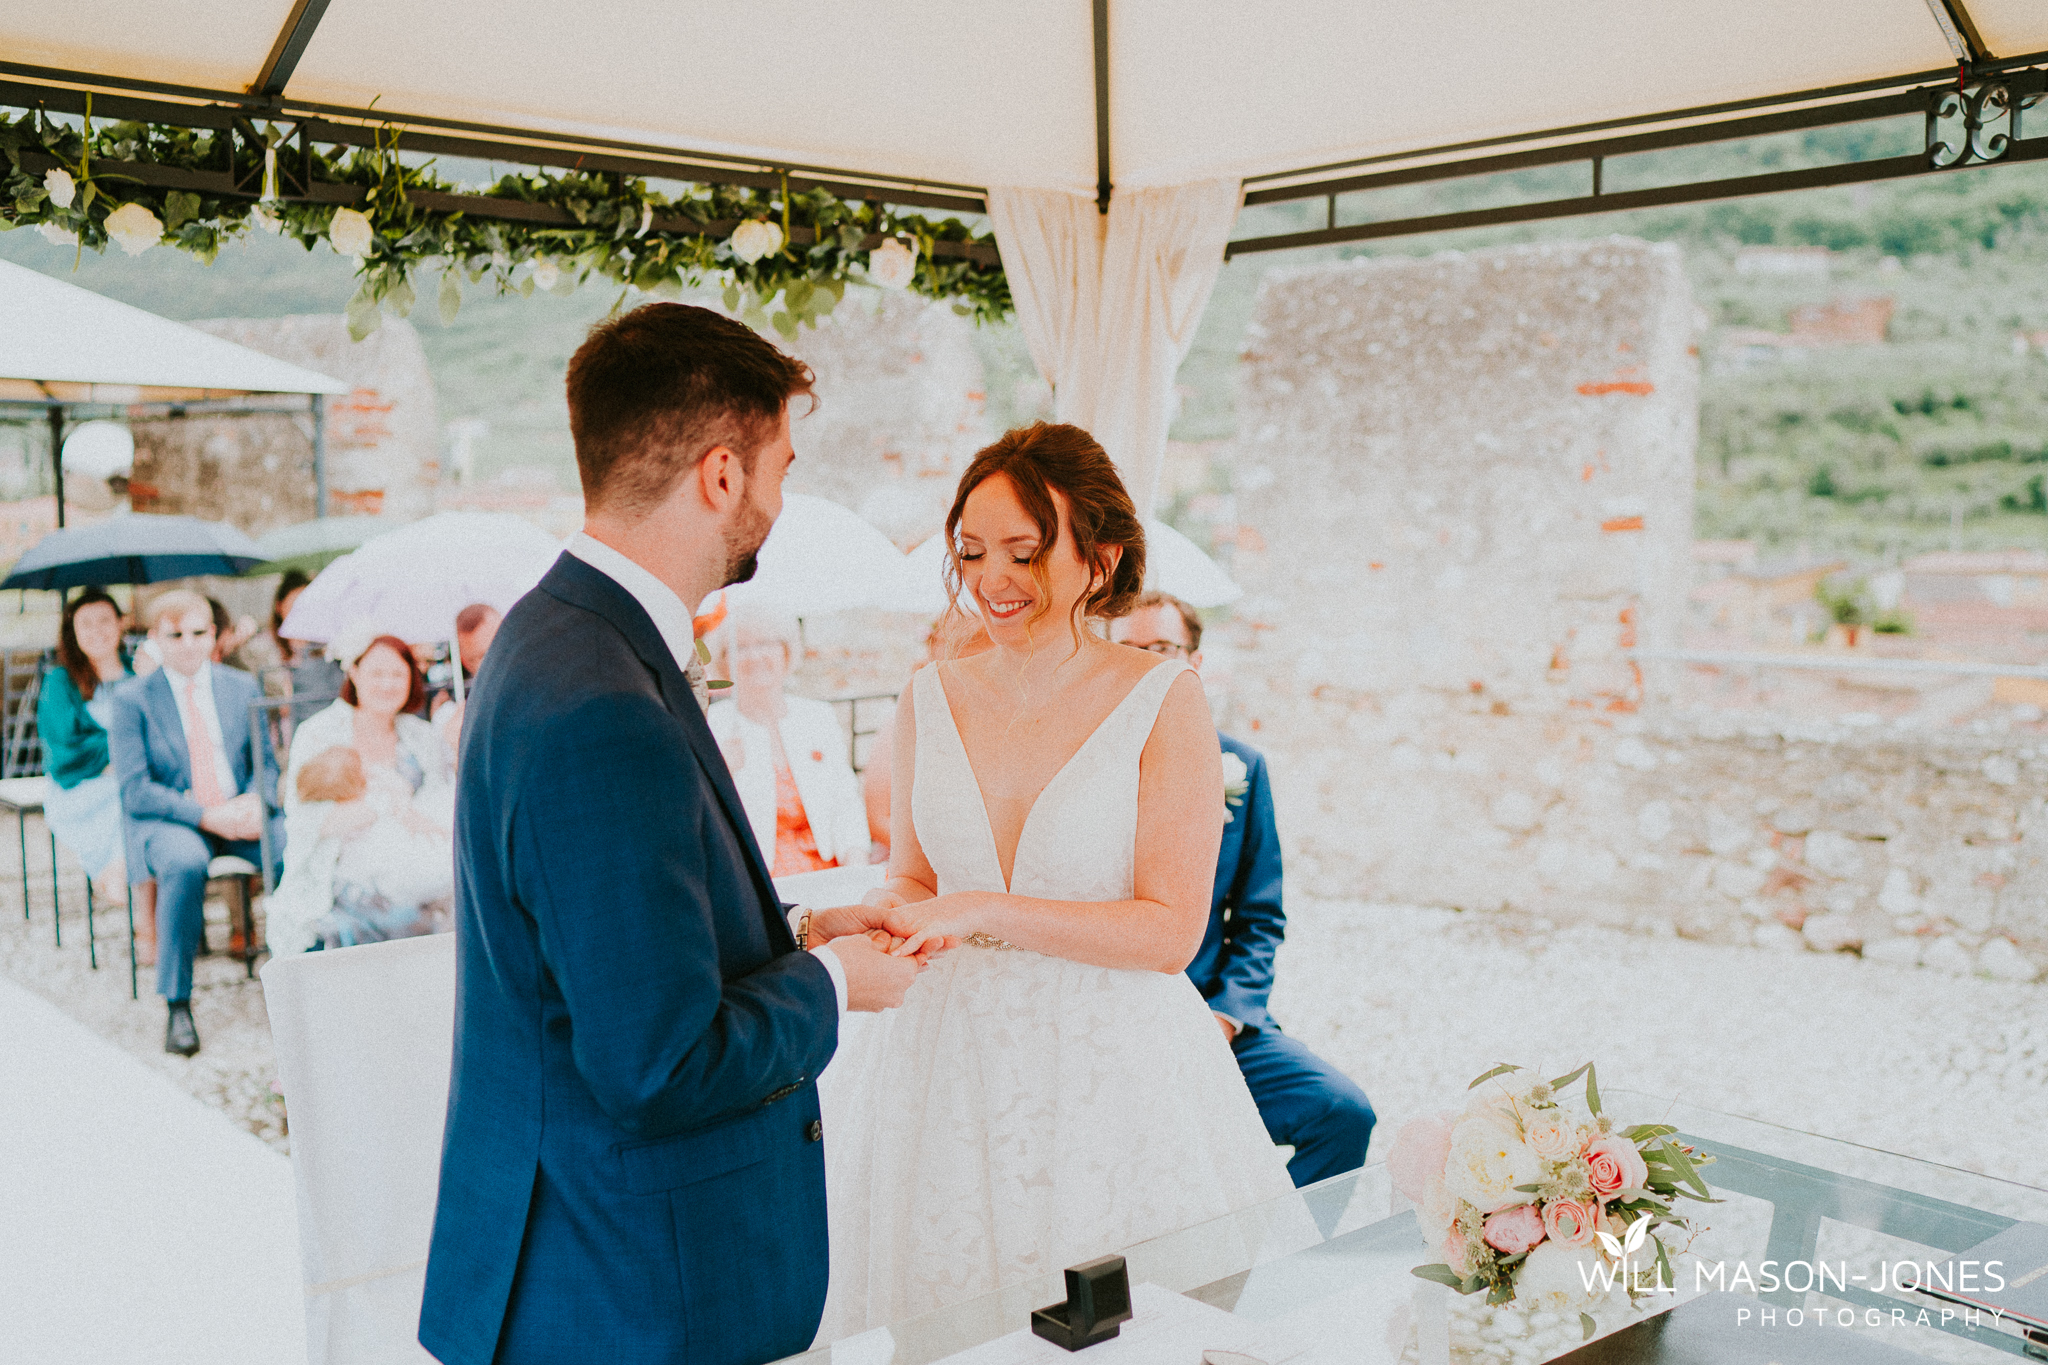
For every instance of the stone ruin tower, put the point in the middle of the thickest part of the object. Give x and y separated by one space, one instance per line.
1471 475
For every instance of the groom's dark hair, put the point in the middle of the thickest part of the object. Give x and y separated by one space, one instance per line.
652 392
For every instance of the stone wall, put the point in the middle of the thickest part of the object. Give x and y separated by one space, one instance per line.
1471 476
900 412
252 470
383 437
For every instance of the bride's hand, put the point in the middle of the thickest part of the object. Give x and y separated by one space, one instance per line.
928 927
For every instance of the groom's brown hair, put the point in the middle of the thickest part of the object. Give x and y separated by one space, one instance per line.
652 392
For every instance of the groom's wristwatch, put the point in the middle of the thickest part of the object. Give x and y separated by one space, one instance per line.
803 931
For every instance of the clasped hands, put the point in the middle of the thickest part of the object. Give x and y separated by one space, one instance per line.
238 819
884 943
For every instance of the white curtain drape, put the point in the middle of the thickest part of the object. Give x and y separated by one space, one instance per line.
1109 304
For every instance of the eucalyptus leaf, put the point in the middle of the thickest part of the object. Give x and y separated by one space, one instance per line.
363 314
784 323
1503 1069
1592 1089
1442 1274
732 298
1587 1326
718 684
400 297
450 297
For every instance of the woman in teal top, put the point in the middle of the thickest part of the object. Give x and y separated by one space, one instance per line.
83 805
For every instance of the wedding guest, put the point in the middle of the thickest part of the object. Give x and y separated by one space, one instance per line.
83 805
229 635
190 789
267 648
476 625
1306 1103
787 754
366 862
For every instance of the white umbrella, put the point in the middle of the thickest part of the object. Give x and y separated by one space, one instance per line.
412 582
1173 564
821 557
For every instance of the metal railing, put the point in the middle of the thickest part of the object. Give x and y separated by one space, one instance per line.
854 733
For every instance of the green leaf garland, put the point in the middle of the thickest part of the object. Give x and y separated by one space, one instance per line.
582 226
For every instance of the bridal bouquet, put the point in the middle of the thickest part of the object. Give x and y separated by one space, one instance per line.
1544 1201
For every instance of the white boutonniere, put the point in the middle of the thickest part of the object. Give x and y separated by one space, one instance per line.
1237 780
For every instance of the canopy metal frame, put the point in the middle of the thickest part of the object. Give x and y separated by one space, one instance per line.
62 412
1984 93
1972 118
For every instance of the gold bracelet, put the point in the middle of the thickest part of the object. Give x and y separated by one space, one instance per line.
803 931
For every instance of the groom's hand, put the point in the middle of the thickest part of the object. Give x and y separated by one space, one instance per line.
874 980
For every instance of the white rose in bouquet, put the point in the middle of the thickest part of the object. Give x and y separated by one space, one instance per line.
756 238
1554 1279
1487 1161
62 189
893 264
135 228
350 233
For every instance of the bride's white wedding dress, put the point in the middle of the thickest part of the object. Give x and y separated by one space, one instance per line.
1023 1113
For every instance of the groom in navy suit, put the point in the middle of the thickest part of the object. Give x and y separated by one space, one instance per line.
1307 1103
633 1169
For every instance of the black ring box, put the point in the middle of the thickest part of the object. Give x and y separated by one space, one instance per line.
1098 1304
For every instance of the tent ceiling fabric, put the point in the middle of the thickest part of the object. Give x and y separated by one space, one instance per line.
65 337
1004 94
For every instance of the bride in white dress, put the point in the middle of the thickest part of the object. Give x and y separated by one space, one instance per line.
1055 1088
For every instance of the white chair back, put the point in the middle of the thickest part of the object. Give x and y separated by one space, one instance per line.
364 1037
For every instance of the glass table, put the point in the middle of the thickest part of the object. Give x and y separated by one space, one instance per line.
1324 1272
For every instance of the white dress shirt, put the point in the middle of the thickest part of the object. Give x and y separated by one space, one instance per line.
209 715
679 632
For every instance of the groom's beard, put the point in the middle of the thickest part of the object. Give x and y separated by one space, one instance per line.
743 541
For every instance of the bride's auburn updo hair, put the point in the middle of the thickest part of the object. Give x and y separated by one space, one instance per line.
1046 458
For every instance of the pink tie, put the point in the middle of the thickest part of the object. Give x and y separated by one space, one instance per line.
205 779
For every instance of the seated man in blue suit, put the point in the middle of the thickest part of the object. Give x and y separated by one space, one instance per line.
190 791
1306 1103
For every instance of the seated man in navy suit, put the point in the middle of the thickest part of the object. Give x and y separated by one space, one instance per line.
189 789
1306 1103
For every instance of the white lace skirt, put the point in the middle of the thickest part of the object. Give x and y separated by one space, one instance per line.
1020 1114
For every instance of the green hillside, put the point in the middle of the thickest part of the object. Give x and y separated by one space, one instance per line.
1939 437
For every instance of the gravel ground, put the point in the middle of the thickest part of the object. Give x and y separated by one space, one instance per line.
1414 1003
234 1070
1411 1002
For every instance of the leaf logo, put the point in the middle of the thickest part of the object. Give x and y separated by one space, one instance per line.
1621 1248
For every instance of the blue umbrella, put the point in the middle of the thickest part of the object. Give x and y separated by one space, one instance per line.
139 548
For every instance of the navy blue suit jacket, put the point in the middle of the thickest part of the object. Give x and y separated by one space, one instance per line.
1234 969
146 739
631 1171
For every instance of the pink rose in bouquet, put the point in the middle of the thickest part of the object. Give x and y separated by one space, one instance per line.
1613 1164
1570 1221
1420 1151
1514 1231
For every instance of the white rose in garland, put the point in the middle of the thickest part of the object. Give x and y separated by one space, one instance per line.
58 184
756 238
57 236
546 274
893 264
350 233
135 228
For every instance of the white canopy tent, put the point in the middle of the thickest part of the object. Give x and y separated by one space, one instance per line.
1043 111
63 347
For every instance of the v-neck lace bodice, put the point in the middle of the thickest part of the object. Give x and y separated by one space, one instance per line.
1079 839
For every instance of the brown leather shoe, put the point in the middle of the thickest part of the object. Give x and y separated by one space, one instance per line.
180 1036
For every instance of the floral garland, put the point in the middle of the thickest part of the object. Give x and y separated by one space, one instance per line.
783 259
